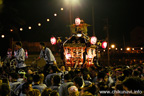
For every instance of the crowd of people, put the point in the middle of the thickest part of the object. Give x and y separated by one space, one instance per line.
118 80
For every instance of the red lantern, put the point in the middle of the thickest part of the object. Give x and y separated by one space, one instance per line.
53 40
77 21
93 40
104 44
26 54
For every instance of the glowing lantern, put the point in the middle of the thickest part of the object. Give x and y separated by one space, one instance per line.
21 29
55 14
26 54
93 40
48 20
2 36
77 21
128 48
113 46
62 9
104 44
53 40
68 56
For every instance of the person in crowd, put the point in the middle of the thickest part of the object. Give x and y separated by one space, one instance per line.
92 88
63 71
41 78
134 84
21 75
13 77
118 87
63 91
84 57
136 73
27 79
20 57
48 56
73 91
87 79
34 92
54 93
26 88
87 94
68 68
46 92
4 89
53 70
37 85
78 82
56 79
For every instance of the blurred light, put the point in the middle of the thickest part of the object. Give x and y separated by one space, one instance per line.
121 49
88 56
112 46
93 40
29 27
72 2
109 48
11 30
79 35
132 48
21 29
115 48
62 9
53 40
77 21
2 36
68 56
104 50
55 14
141 48
48 20
39 24
128 48
104 44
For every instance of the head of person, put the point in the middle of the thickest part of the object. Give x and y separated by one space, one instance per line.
78 82
54 93
62 68
42 45
92 89
133 83
28 78
56 80
4 89
34 92
46 92
13 76
68 68
102 76
136 73
73 91
26 87
67 77
18 45
36 79
41 77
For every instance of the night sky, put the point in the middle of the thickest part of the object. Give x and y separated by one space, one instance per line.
123 16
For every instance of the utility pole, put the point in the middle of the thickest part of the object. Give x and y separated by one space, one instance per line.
70 16
93 20
123 41
107 30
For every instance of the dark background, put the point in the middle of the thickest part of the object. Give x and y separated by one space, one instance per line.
123 17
